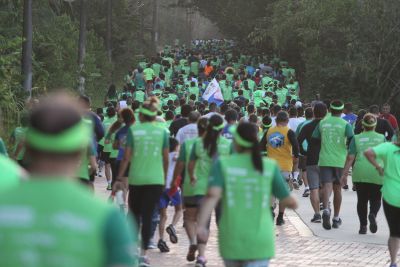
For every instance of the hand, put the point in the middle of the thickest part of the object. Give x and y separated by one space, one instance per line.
343 180
380 170
193 180
118 185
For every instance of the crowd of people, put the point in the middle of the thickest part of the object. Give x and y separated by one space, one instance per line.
160 144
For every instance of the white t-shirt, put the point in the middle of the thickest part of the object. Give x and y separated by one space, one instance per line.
173 157
294 123
187 132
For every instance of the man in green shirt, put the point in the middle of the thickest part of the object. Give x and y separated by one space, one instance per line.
149 75
334 132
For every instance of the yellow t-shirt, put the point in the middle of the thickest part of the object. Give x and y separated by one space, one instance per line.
279 147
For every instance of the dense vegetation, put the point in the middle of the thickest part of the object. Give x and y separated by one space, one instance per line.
348 49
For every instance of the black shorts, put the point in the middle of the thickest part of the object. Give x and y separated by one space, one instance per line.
392 214
193 201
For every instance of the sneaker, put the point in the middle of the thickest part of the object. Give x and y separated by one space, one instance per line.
144 262
316 218
109 188
172 234
306 193
326 220
152 245
346 187
200 262
191 256
280 221
393 265
321 206
373 227
336 223
363 230
162 246
300 182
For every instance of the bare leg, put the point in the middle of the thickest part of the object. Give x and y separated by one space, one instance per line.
393 244
190 218
107 171
304 178
337 199
161 224
314 199
177 215
326 193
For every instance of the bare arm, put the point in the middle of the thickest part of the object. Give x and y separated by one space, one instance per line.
191 166
371 157
165 162
125 162
180 165
347 166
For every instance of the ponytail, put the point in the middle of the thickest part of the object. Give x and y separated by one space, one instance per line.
246 137
214 128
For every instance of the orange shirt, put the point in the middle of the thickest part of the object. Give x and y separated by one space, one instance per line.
208 70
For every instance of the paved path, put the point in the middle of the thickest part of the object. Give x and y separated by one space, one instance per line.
296 245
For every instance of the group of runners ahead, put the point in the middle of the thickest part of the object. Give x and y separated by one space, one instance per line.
160 144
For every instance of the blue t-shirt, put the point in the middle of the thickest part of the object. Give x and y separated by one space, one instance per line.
350 118
250 70
121 136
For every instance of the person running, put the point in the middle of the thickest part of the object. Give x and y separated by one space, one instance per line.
171 196
382 126
283 147
364 176
385 114
63 224
191 202
389 154
203 152
312 157
189 131
146 150
334 132
245 181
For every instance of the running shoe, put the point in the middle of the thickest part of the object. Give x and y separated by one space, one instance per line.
336 223
191 256
363 230
280 221
300 182
162 246
373 227
109 188
172 234
321 206
200 262
346 187
152 245
144 262
306 193
326 220
316 218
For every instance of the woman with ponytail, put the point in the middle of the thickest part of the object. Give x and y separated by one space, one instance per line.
204 151
245 181
147 149
366 179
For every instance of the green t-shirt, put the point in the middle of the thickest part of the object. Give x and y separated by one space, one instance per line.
194 91
258 97
147 141
184 156
333 132
389 153
107 122
246 192
139 96
11 174
54 221
156 68
227 93
281 94
148 74
203 164
363 171
194 67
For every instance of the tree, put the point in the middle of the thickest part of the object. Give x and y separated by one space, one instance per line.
82 45
27 46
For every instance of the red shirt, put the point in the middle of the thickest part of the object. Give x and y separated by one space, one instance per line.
391 119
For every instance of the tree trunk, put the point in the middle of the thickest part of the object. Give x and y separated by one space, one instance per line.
154 36
82 45
27 47
109 30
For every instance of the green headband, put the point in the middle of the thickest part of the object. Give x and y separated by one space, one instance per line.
267 125
147 112
219 127
75 138
337 108
239 140
368 124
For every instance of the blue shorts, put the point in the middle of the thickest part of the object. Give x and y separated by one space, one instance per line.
166 200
